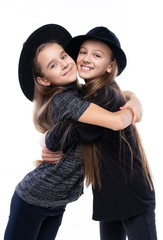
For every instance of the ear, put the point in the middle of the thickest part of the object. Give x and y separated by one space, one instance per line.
109 69
43 81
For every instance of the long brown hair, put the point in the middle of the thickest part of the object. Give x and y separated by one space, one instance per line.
90 150
42 98
42 95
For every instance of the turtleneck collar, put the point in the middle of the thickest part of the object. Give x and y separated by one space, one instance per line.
71 86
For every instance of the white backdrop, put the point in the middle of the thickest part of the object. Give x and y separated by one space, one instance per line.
138 24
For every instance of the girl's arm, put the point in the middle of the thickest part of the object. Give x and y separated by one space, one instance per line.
93 115
83 132
96 115
58 138
72 107
79 133
99 116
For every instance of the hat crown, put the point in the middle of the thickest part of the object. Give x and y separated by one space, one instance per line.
105 34
102 34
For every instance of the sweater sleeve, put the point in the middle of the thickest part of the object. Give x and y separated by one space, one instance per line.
80 132
57 138
66 105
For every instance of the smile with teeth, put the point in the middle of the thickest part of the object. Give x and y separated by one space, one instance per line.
86 68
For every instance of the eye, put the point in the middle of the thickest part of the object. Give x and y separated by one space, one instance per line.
97 55
82 52
53 65
64 56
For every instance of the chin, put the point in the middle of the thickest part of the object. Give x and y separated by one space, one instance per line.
87 78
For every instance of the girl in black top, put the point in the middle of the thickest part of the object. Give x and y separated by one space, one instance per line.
115 161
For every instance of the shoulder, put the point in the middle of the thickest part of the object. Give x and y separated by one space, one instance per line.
104 94
68 104
109 98
62 99
62 96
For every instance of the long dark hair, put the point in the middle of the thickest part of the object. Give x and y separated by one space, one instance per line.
90 150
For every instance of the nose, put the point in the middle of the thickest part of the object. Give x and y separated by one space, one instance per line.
64 64
86 58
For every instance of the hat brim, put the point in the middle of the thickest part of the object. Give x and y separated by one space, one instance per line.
46 33
74 44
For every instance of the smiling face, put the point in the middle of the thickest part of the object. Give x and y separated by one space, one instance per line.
94 59
57 67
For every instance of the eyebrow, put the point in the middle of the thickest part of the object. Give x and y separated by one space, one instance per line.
94 49
53 59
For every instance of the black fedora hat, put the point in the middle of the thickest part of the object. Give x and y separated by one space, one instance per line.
46 33
105 35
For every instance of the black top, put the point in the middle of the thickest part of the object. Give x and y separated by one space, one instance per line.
124 193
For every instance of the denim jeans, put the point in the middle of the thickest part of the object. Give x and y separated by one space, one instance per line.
141 227
29 222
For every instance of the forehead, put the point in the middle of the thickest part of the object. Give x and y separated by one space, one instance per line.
52 47
95 44
52 50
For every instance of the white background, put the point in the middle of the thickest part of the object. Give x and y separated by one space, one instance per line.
138 25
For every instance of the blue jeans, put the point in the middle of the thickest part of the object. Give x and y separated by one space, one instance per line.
140 227
29 222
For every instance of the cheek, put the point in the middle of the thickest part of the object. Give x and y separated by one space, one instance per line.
103 66
77 65
78 59
54 76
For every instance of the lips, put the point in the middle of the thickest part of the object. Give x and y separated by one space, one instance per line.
67 72
86 68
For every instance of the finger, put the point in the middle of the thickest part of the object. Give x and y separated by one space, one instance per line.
44 152
133 121
47 151
50 162
51 156
59 152
50 159
137 118
124 107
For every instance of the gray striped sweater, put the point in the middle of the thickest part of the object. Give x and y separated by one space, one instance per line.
50 185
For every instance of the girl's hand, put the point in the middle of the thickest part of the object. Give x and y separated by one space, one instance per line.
135 105
51 157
